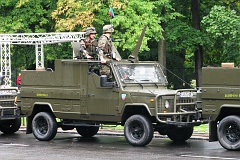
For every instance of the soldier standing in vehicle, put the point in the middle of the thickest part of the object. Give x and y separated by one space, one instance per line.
105 50
89 44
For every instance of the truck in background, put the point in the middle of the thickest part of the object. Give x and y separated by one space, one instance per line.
10 120
221 104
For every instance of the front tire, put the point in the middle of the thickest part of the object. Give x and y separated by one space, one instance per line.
180 135
44 126
87 131
10 126
229 133
138 130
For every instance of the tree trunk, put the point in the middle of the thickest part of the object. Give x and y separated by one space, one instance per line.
199 51
162 47
162 54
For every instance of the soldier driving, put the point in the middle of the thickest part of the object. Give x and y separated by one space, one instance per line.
88 45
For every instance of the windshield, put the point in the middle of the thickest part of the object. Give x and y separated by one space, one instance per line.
140 73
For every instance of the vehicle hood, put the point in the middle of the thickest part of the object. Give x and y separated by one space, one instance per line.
151 92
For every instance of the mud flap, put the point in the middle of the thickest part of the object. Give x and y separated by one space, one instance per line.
29 125
213 131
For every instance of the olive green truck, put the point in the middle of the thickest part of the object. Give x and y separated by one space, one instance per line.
221 105
74 96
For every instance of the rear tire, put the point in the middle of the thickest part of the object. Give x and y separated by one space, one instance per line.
138 130
180 135
44 126
229 133
10 126
87 131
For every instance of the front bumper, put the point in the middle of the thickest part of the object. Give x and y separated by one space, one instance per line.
7 113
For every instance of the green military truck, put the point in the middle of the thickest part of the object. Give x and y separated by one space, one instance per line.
221 105
74 96
10 120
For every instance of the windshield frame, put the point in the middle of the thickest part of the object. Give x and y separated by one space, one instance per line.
143 73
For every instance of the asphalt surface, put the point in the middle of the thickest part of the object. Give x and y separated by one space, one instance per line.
71 146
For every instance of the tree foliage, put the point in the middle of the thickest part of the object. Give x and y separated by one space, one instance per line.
72 15
222 26
219 33
26 16
131 20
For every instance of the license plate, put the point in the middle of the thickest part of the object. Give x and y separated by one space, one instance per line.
6 92
186 94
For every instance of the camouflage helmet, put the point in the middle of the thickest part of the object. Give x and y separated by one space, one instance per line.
108 28
90 30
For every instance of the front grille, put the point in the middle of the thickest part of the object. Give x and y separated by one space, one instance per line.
7 104
185 100
8 108
2 97
7 100
8 112
186 104
180 109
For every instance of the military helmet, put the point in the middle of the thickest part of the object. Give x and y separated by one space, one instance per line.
90 30
108 28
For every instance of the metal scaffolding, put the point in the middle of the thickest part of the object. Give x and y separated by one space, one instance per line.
37 39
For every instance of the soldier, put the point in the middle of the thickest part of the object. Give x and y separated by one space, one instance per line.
105 45
105 50
89 44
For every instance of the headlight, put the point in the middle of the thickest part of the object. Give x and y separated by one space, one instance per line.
167 104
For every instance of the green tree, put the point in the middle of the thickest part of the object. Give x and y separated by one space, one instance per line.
71 15
30 16
182 40
222 26
169 25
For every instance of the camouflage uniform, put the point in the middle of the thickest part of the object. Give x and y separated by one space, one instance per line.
88 48
105 50
88 45
105 44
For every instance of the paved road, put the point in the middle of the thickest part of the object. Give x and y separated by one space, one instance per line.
70 146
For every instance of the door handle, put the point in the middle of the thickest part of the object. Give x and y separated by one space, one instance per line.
91 95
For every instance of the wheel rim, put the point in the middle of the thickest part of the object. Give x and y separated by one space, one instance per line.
136 130
41 125
232 132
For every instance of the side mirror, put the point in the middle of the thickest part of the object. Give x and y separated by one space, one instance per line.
105 83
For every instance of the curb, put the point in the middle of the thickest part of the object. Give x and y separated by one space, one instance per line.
195 135
104 132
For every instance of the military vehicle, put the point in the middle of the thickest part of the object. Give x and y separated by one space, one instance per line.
74 95
136 98
221 104
10 120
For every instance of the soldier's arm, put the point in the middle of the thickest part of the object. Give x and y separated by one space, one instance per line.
101 44
83 48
